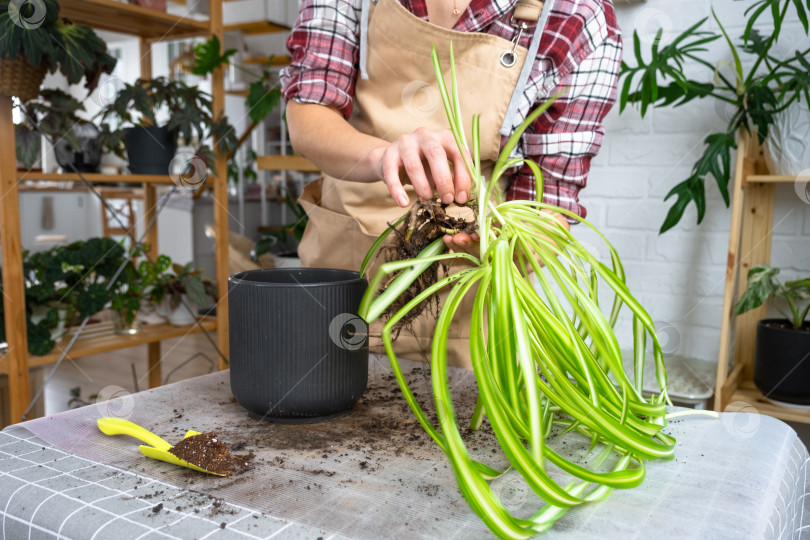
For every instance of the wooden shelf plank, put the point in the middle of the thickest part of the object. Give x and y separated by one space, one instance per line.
242 93
131 19
100 338
253 28
96 177
747 393
285 163
774 179
278 60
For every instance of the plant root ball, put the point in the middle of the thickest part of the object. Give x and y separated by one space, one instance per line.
428 220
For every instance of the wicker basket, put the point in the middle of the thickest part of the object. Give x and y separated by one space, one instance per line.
19 78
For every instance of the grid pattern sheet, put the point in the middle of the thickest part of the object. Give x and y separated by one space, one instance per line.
367 475
47 494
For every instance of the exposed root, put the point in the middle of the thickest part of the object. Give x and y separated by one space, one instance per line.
428 221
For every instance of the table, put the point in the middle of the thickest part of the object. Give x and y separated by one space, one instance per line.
370 474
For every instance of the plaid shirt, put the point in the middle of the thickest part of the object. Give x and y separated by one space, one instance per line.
580 52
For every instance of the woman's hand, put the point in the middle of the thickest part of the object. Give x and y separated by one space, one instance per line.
424 157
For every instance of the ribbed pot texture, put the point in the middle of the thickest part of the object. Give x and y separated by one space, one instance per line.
298 350
782 363
150 149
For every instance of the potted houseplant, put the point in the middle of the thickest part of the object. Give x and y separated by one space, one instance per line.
35 40
65 282
29 147
782 355
758 87
177 291
150 145
77 146
125 300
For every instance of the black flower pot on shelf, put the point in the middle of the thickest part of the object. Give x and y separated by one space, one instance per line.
150 149
782 361
298 350
88 159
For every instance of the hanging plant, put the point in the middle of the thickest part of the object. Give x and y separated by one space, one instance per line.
545 357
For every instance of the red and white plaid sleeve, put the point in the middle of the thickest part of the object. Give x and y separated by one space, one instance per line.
564 139
325 54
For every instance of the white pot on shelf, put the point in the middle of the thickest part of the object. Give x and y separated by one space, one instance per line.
181 315
787 147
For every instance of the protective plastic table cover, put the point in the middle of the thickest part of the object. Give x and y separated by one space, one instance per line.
374 473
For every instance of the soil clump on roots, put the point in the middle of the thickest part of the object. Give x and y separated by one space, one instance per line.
428 220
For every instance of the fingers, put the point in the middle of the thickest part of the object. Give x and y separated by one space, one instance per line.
424 156
391 163
463 242
462 181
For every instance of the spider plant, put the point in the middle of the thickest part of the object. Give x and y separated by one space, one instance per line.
544 354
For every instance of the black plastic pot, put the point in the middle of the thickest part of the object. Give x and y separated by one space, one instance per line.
782 362
150 149
298 351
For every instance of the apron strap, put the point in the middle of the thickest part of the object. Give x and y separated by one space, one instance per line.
511 111
365 7
528 10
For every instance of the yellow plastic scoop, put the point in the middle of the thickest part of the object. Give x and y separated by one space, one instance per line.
158 449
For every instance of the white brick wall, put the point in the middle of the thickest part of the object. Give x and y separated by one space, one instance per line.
679 276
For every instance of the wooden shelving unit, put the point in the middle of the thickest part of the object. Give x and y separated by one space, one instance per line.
150 26
153 179
99 338
749 244
278 60
285 163
254 28
130 19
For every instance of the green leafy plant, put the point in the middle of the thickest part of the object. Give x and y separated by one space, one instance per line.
248 169
55 112
763 286
771 84
52 42
127 291
163 279
190 112
29 145
264 93
278 241
64 281
545 357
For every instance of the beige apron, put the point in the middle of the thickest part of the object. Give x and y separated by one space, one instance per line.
401 95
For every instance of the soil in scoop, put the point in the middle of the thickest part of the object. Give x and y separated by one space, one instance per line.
208 452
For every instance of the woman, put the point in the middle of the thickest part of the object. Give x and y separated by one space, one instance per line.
363 106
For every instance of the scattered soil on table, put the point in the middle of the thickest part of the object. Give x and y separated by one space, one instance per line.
380 427
427 221
208 452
